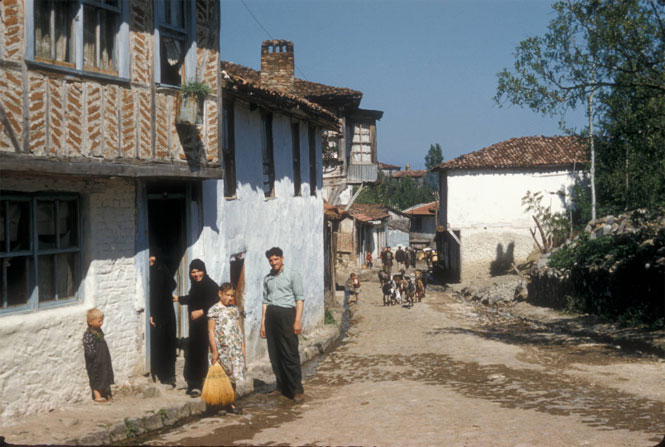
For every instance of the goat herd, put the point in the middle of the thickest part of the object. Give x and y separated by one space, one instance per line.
402 289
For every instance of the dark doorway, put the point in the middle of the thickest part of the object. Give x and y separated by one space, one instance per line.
238 282
167 235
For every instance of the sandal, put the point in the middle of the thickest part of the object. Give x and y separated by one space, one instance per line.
101 401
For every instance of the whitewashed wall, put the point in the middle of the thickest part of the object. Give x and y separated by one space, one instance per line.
43 365
487 207
251 224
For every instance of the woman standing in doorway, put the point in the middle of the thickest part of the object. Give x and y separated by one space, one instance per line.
202 295
162 322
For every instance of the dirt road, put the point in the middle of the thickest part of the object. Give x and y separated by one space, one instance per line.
450 373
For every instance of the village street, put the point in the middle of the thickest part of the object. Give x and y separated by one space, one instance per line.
448 372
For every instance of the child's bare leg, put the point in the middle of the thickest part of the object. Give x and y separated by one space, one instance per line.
97 394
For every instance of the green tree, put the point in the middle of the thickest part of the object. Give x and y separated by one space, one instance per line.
433 158
610 52
398 193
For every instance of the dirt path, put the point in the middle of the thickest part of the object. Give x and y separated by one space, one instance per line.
449 373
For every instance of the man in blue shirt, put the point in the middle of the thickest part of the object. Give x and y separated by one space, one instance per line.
280 324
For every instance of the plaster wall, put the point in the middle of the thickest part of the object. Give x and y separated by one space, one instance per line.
396 238
43 365
486 206
250 224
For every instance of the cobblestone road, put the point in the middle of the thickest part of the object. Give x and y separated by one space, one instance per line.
451 373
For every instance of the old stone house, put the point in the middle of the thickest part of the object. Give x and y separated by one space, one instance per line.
417 175
388 169
363 229
94 172
423 224
481 217
398 227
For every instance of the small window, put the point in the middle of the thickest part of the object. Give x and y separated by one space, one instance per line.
228 150
101 22
361 144
39 250
54 20
267 155
173 40
295 141
312 160
83 35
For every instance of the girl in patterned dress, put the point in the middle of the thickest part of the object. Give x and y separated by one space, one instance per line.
227 344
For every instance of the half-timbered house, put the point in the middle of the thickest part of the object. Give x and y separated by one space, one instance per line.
95 172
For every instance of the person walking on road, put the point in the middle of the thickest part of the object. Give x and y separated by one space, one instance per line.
283 303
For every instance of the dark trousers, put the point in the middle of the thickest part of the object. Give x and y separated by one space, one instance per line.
283 349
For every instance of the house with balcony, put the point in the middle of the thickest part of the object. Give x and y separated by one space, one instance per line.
350 152
95 172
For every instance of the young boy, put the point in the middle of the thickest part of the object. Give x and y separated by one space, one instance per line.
97 358
351 287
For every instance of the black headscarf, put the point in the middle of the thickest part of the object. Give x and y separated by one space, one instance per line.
198 265
202 294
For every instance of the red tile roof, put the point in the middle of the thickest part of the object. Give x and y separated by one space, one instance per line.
235 82
417 173
427 209
388 166
333 212
366 212
523 152
302 88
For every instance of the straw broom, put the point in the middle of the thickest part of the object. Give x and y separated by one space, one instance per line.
217 389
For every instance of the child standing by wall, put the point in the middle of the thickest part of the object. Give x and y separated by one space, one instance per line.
226 341
97 358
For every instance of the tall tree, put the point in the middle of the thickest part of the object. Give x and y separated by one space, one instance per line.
602 49
434 156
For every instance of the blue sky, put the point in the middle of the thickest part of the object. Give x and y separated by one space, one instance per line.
430 65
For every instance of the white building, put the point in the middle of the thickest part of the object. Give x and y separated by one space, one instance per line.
271 192
481 193
93 171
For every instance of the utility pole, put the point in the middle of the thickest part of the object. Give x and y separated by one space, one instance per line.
593 155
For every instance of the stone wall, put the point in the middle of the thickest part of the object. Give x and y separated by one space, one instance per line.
43 363
609 280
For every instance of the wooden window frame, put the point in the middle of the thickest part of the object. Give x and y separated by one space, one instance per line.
229 149
121 40
356 147
267 155
295 149
183 33
313 180
34 251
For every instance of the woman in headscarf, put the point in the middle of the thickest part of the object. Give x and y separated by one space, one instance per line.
162 322
202 295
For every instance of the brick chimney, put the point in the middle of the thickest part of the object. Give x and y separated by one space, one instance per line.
277 65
